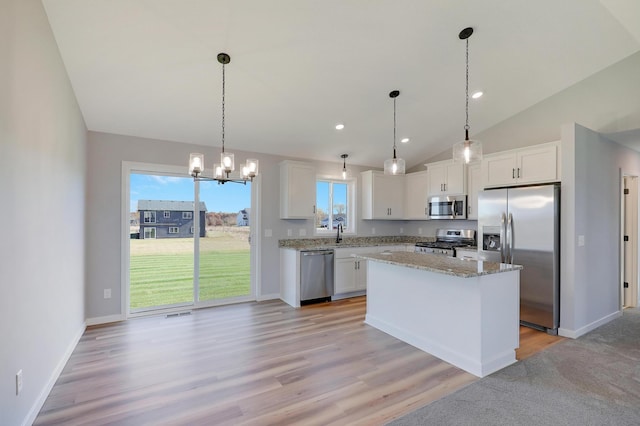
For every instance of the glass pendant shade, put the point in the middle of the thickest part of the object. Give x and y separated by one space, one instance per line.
467 151
226 161
196 162
394 166
218 172
252 167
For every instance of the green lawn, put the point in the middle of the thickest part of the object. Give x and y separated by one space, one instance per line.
161 271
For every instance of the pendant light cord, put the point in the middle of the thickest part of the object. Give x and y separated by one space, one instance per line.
394 128
466 125
223 84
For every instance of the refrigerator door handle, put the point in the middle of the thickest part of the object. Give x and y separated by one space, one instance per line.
503 241
510 238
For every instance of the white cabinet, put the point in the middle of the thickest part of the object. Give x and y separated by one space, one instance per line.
382 195
416 195
446 178
474 185
350 274
535 164
297 190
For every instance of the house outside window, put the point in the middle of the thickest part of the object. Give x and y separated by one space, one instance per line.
149 233
167 214
187 215
174 230
150 217
334 201
192 229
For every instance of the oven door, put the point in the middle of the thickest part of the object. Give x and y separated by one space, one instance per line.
450 207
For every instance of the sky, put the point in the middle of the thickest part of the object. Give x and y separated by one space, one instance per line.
227 198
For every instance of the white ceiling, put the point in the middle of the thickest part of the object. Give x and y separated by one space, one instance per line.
148 68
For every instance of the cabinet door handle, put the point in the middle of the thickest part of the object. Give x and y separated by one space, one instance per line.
425 211
513 173
518 172
314 209
468 210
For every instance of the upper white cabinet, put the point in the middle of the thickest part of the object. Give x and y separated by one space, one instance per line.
534 164
446 178
297 190
474 185
416 195
382 195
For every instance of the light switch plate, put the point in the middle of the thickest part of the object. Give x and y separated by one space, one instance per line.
580 240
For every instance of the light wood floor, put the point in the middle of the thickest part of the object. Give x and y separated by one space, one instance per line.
255 363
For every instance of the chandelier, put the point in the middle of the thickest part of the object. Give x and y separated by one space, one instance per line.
224 171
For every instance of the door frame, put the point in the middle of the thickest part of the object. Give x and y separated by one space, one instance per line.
631 182
129 167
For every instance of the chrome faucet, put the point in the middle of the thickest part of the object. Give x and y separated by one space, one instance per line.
338 237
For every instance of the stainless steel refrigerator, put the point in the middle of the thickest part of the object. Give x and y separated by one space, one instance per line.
522 226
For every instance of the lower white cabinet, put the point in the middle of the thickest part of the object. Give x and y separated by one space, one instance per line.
350 274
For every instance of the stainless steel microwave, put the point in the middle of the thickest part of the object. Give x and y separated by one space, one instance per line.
448 207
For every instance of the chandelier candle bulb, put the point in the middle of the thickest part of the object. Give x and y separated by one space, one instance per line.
195 164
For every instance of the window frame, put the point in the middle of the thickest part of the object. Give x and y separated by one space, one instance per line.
151 219
150 229
187 215
350 229
174 230
167 214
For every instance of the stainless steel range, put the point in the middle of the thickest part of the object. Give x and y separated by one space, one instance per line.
446 241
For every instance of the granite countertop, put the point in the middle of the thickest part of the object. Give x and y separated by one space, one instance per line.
326 243
440 264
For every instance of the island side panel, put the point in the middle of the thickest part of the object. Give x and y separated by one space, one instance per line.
500 320
440 314
290 277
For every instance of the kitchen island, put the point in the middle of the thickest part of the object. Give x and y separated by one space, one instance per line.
464 312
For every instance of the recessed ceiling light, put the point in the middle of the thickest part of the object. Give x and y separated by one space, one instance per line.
477 94
339 126
404 140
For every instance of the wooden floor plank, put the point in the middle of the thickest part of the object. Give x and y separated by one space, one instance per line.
254 364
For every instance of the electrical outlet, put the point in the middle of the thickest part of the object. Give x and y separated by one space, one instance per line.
268 233
580 240
289 232
107 293
302 232
373 231
419 231
401 230
18 382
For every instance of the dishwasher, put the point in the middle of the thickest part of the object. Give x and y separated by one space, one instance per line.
316 276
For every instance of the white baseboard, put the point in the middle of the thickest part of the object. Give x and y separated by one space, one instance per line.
264 297
37 405
574 334
105 320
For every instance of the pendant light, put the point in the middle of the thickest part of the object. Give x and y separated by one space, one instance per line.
222 172
394 166
468 150
345 172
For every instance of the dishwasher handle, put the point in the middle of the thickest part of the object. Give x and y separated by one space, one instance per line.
317 252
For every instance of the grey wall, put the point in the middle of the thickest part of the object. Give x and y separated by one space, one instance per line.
106 152
591 185
42 193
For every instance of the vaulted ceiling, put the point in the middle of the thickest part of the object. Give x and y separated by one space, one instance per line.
148 68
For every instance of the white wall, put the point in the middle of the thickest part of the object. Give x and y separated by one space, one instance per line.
591 188
42 196
606 102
